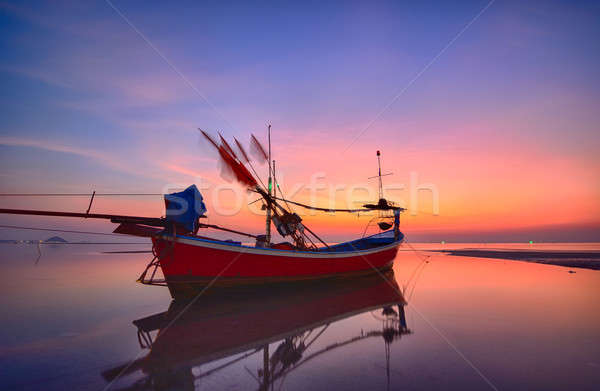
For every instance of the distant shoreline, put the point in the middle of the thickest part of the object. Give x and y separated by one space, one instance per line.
578 259
64 243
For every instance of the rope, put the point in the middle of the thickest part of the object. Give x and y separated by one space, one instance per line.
420 267
283 195
412 291
60 230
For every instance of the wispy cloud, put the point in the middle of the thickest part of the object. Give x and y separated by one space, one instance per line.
183 170
40 144
161 169
105 159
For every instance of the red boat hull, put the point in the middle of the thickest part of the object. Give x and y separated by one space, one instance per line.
190 263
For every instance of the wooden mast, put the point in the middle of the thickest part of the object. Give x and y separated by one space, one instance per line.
270 186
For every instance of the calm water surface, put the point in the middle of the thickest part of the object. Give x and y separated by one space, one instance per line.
78 320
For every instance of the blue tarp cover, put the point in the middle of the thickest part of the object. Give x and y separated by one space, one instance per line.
184 208
377 240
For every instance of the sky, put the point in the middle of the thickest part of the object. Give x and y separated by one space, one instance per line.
493 105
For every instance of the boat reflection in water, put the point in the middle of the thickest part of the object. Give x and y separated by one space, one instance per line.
282 324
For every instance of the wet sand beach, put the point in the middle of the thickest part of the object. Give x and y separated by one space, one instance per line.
576 259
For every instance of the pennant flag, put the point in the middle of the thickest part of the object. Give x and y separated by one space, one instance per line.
257 150
230 166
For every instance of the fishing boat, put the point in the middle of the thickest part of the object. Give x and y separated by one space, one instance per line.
190 262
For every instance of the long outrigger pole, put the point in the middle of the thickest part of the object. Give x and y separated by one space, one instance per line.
114 218
149 221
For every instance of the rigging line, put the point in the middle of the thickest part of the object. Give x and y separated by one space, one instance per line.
281 191
412 291
315 235
416 251
251 374
424 263
76 194
412 276
255 201
411 212
416 272
317 336
60 230
257 176
255 173
39 255
368 225
323 209
307 334
218 368
286 203
418 256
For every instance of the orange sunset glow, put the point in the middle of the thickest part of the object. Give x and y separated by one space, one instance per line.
508 161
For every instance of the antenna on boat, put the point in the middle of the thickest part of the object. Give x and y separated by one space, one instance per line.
269 189
380 183
379 175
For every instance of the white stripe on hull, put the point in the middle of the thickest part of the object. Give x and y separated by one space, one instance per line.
277 252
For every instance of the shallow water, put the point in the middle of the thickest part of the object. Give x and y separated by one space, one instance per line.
468 322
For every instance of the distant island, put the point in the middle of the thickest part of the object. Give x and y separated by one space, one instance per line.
55 239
